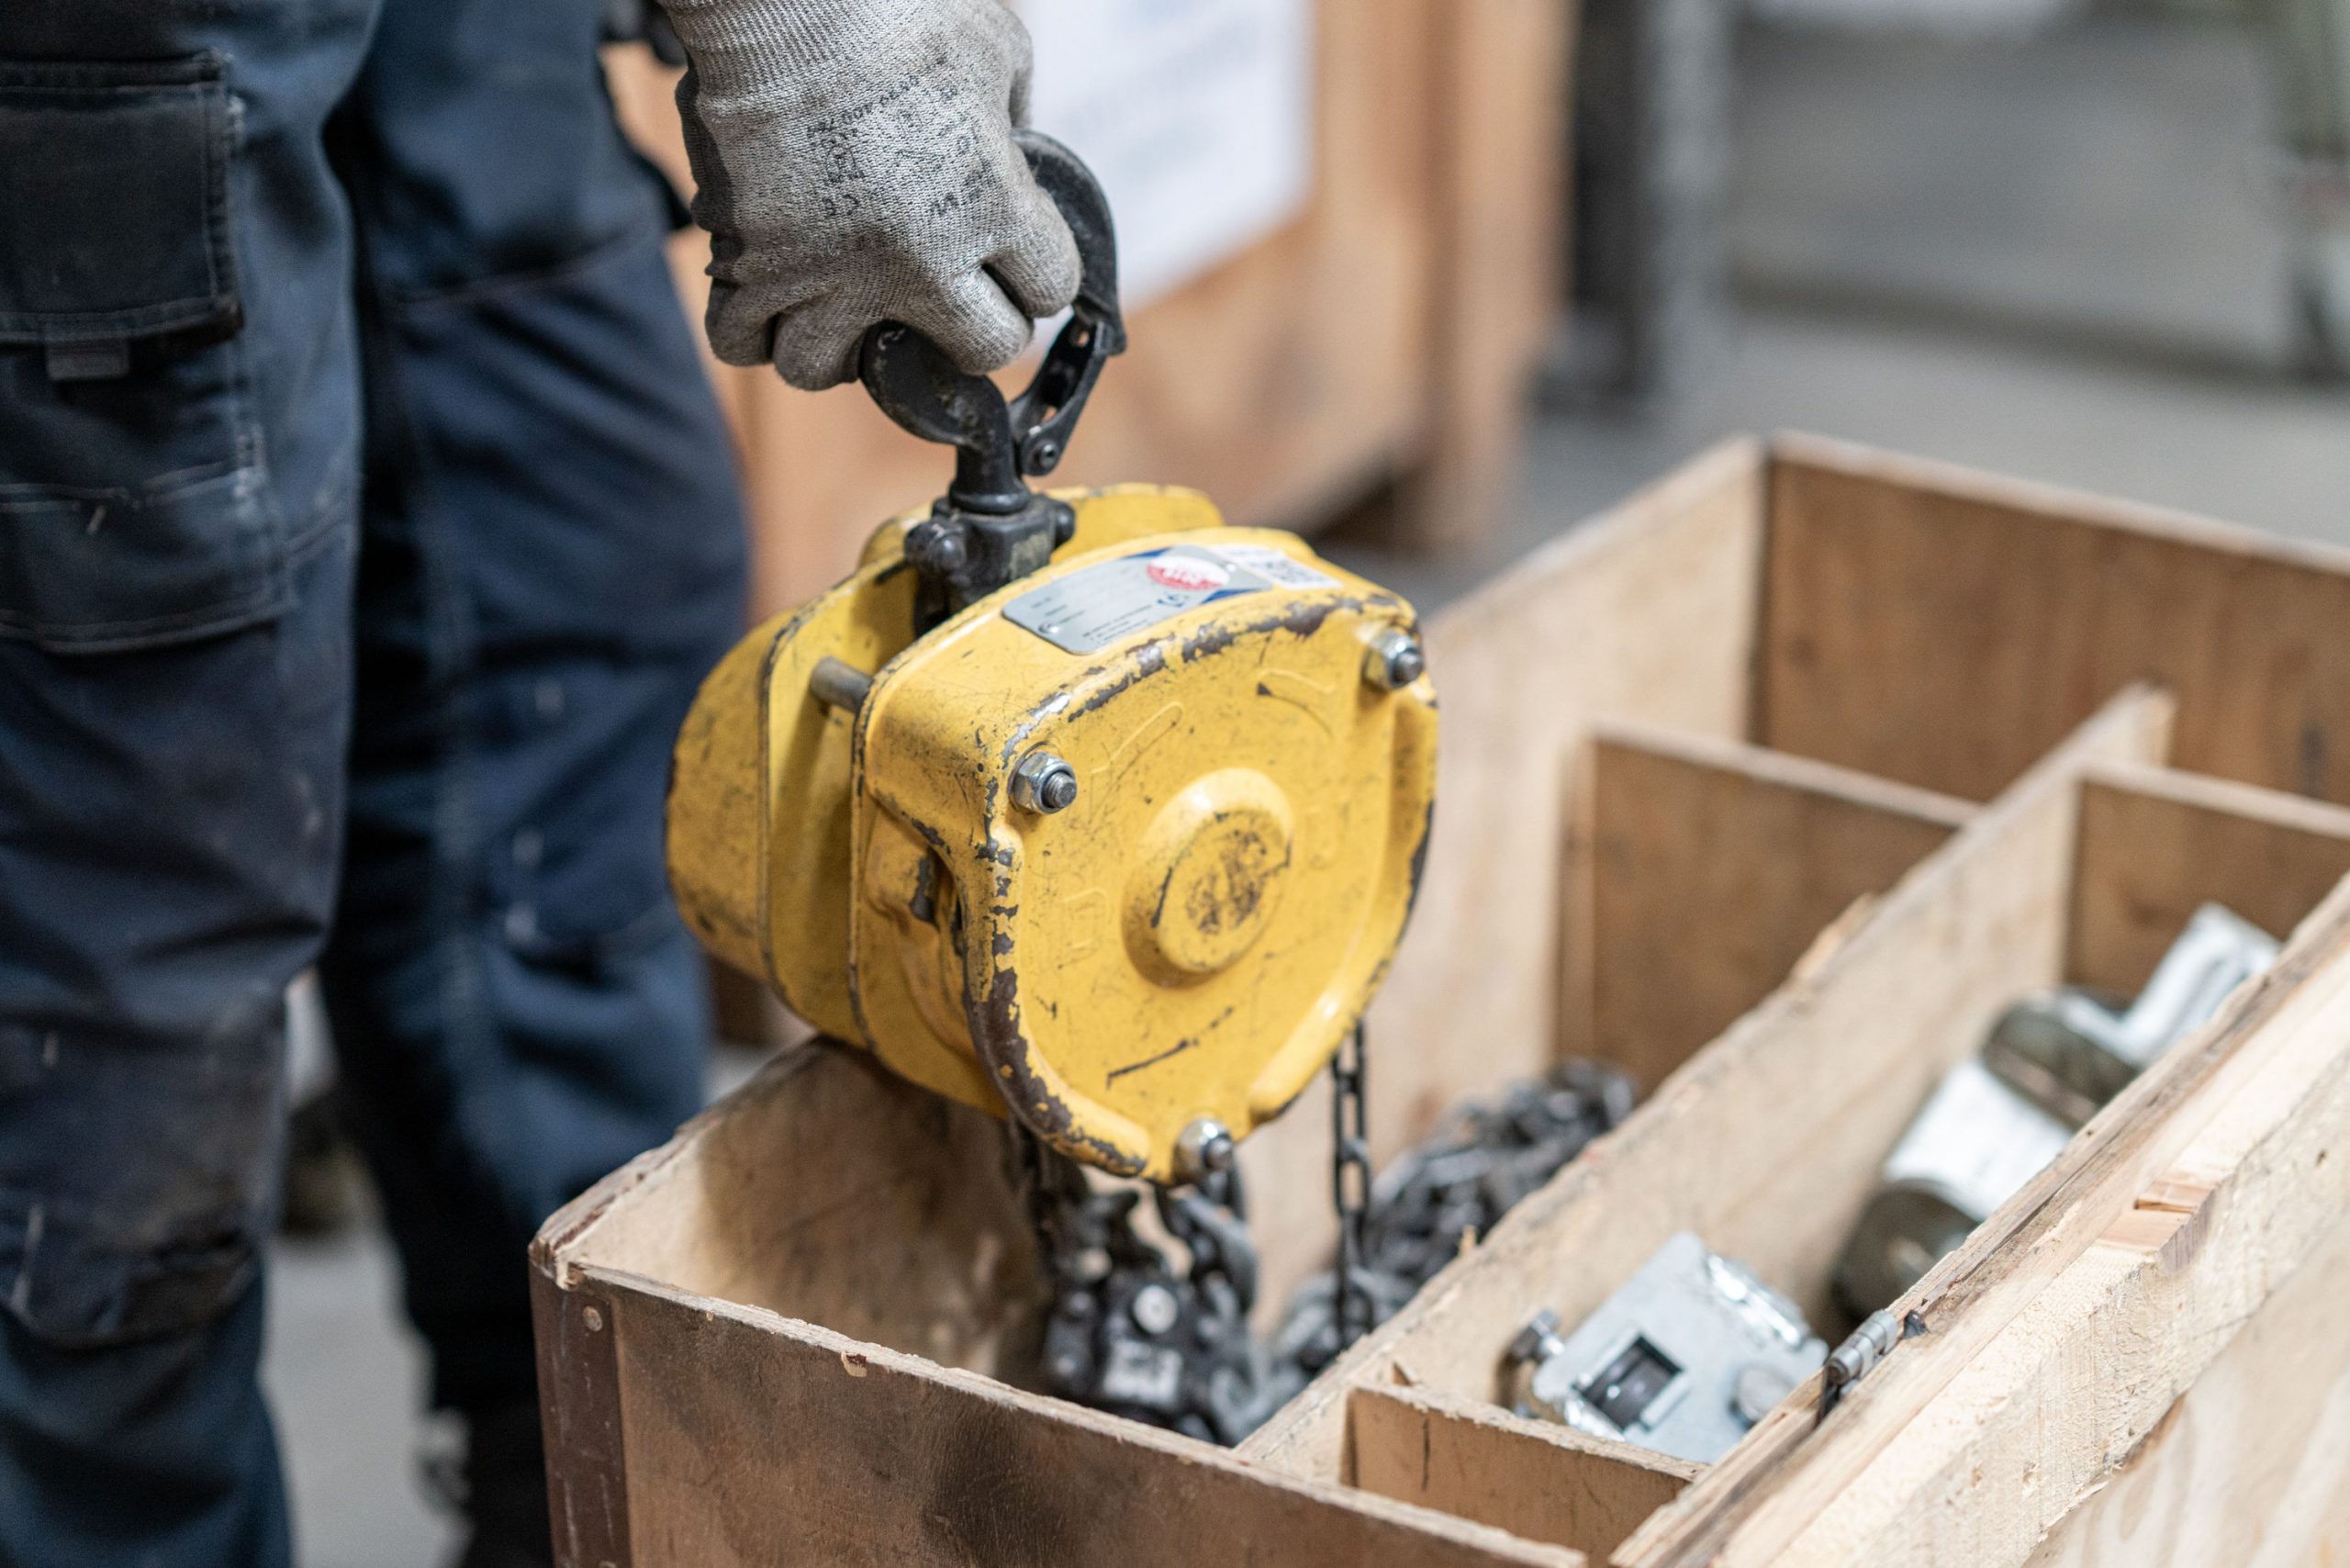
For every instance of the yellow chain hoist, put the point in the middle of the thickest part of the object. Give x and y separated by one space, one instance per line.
1080 807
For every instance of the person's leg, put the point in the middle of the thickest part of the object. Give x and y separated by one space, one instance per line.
554 558
178 420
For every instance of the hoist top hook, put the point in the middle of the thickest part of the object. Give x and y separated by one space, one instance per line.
991 529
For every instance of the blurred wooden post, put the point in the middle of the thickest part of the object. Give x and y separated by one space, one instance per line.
1503 71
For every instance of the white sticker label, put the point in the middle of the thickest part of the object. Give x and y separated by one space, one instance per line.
1977 1142
1198 116
1086 611
1275 567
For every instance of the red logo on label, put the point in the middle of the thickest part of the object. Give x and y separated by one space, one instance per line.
1188 573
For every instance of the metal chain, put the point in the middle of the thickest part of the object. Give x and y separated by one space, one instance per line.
1132 1333
1350 1185
1437 1197
1128 1331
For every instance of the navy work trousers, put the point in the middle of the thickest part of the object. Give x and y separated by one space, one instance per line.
365 525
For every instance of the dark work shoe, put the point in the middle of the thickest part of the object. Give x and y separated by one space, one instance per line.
500 1488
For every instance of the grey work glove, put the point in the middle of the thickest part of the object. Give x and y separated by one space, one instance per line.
856 165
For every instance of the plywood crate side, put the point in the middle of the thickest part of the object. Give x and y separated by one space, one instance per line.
1944 628
579 1419
1710 869
2157 844
830 1191
755 1440
2251 1467
1542 1481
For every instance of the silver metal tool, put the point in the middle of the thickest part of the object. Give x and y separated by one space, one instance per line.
1684 1359
2071 1051
1995 1122
1973 1146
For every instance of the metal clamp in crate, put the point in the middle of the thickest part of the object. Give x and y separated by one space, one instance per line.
1684 1359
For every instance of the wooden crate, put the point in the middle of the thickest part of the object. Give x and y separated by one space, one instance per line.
1773 787
1381 343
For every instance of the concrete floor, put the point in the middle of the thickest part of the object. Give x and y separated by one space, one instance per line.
347 1379
2053 259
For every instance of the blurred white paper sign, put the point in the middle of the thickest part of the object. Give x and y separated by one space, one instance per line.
1198 115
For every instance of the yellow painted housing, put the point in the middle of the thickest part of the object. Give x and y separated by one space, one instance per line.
1193 937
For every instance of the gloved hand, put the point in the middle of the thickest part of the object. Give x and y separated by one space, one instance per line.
856 165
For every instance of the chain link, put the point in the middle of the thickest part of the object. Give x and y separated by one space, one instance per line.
1350 1185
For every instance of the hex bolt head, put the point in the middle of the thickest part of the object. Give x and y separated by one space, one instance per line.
1538 1341
1395 660
1155 1309
1044 784
1205 1149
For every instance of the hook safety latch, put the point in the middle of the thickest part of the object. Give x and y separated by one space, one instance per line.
991 529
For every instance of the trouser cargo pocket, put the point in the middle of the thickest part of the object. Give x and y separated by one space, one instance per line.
133 507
